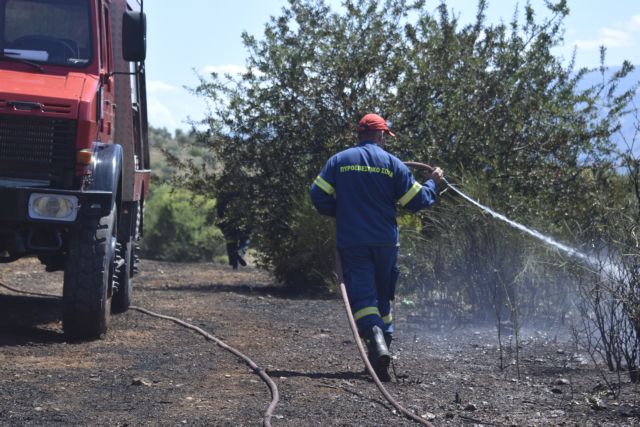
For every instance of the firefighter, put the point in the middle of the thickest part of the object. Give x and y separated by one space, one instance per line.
361 187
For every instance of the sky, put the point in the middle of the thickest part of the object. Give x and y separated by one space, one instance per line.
200 36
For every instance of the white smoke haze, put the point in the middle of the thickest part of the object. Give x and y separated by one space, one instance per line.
590 299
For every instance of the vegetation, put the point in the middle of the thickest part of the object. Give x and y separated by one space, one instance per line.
174 230
165 147
509 122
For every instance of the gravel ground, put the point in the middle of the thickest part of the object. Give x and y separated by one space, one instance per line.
153 372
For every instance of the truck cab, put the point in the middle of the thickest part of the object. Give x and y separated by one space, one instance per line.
74 154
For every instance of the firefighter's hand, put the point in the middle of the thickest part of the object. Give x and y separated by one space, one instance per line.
437 175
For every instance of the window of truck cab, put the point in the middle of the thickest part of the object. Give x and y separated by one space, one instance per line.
56 32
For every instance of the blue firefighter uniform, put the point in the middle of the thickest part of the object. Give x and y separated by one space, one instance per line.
361 187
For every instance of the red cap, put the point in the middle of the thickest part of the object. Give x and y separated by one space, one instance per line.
373 122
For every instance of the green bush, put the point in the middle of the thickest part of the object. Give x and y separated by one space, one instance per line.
304 258
178 227
487 99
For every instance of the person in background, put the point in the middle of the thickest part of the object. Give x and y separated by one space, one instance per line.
235 232
361 187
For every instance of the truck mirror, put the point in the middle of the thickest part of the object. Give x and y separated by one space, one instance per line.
134 36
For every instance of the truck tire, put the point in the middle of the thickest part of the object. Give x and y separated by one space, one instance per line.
88 278
122 292
124 275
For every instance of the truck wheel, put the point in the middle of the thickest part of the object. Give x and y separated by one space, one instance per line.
122 293
88 277
124 274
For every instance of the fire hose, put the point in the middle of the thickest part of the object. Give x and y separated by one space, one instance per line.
363 354
428 168
354 329
257 370
418 165
275 396
271 384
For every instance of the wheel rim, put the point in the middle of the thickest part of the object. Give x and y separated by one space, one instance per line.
112 265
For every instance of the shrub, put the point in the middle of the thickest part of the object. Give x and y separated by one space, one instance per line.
176 231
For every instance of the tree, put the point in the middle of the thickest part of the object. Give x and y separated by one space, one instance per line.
307 83
487 102
611 299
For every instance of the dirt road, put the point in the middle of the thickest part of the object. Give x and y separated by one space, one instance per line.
152 372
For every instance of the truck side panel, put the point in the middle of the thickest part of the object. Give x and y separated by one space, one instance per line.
131 115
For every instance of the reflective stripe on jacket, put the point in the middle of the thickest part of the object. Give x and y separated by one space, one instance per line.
361 187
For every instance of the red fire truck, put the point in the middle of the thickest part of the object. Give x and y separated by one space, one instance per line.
74 154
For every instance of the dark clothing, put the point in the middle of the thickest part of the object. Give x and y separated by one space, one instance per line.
360 187
235 233
363 266
237 243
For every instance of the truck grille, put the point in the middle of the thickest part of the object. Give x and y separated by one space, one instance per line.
38 149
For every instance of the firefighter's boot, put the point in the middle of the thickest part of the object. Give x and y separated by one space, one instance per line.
388 338
378 352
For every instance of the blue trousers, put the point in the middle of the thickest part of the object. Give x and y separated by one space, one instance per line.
370 275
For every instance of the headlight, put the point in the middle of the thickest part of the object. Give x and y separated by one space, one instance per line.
52 206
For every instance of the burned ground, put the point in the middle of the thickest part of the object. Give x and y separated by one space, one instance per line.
153 372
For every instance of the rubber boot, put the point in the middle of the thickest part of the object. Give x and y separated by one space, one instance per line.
378 352
388 338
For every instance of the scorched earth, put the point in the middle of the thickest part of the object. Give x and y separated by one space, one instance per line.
149 372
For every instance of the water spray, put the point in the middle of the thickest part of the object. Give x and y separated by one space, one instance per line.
546 239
